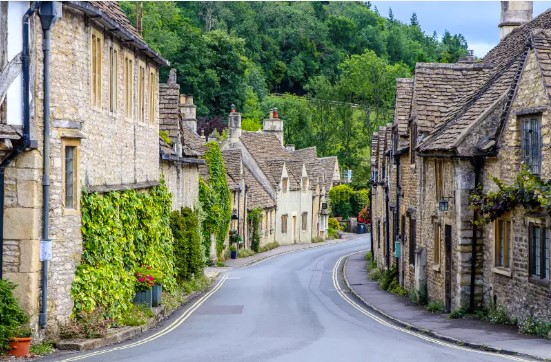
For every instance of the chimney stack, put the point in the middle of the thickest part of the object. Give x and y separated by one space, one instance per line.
234 124
514 14
188 112
274 125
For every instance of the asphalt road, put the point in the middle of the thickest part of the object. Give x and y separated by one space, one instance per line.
285 308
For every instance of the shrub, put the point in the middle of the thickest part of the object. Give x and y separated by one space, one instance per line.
333 223
255 218
245 253
497 314
332 234
41 349
375 274
458 313
396 288
135 316
269 246
339 201
534 326
86 325
11 314
187 244
317 239
387 278
198 283
435 306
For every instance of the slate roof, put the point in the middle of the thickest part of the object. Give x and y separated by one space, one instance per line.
264 146
192 143
232 163
256 194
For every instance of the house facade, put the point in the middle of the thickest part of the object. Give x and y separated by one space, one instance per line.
103 123
456 127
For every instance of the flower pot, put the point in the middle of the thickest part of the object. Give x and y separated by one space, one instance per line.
144 298
157 294
19 347
234 254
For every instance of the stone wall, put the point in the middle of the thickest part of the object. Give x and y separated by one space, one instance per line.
182 180
112 150
513 288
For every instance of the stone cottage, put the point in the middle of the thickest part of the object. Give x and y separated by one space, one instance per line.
103 135
467 123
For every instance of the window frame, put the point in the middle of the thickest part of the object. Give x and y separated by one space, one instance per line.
284 223
545 241
502 253
113 77
74 143
530 157
129 66
152 102
96 67
141 91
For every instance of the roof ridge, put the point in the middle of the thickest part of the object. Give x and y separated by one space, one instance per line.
451 120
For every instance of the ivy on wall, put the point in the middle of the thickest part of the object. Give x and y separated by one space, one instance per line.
214 196
528 191
187 244
255 217
121 231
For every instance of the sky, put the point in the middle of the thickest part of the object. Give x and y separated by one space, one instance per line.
477 21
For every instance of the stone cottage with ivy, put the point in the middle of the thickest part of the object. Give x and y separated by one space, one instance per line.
104 137
466 131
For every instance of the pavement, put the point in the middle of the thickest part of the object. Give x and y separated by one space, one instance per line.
465 332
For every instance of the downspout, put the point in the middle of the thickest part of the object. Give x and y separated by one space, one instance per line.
26 122
48 15
397 218
477 163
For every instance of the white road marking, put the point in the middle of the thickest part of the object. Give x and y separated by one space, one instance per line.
162 332
404 330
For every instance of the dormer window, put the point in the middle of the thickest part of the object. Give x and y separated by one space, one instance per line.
304 184
531 144
284 184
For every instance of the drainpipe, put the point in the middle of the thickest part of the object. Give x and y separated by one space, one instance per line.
387 228
397 218
48 15
477 163
26 122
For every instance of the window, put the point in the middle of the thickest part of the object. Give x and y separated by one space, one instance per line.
304 221
412 142
129 87
152 95
539 250
96 60
141 93
70 180
113 78
284 224
436 248
285 184
375 176
439 179
502 243
304 184
531 144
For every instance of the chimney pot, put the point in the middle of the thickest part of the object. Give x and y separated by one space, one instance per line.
275 113
233 108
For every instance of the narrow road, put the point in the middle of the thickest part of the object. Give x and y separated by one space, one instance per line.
283 309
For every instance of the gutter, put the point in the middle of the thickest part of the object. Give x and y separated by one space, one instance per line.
191 160
26 122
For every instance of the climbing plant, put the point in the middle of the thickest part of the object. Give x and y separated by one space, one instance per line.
528 191
255 218
121 231
187 244
214 196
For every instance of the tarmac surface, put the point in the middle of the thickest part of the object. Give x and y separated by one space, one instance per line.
289 307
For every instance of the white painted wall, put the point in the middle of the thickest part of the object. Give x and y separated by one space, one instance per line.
14 96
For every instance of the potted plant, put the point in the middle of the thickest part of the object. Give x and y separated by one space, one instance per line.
143 282
233 249
157 290
20 341
11 315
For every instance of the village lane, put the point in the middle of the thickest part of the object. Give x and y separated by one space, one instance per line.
283 309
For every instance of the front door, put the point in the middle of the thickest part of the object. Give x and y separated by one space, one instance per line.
448 281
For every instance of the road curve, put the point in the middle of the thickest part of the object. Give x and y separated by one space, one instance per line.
286 308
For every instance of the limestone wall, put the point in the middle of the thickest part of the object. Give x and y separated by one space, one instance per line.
182 180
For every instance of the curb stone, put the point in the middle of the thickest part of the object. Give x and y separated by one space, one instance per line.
428 332
124 333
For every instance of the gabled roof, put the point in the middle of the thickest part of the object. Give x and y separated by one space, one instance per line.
542 45
232 163
314 167
256 194
192 143
264 146
329 164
